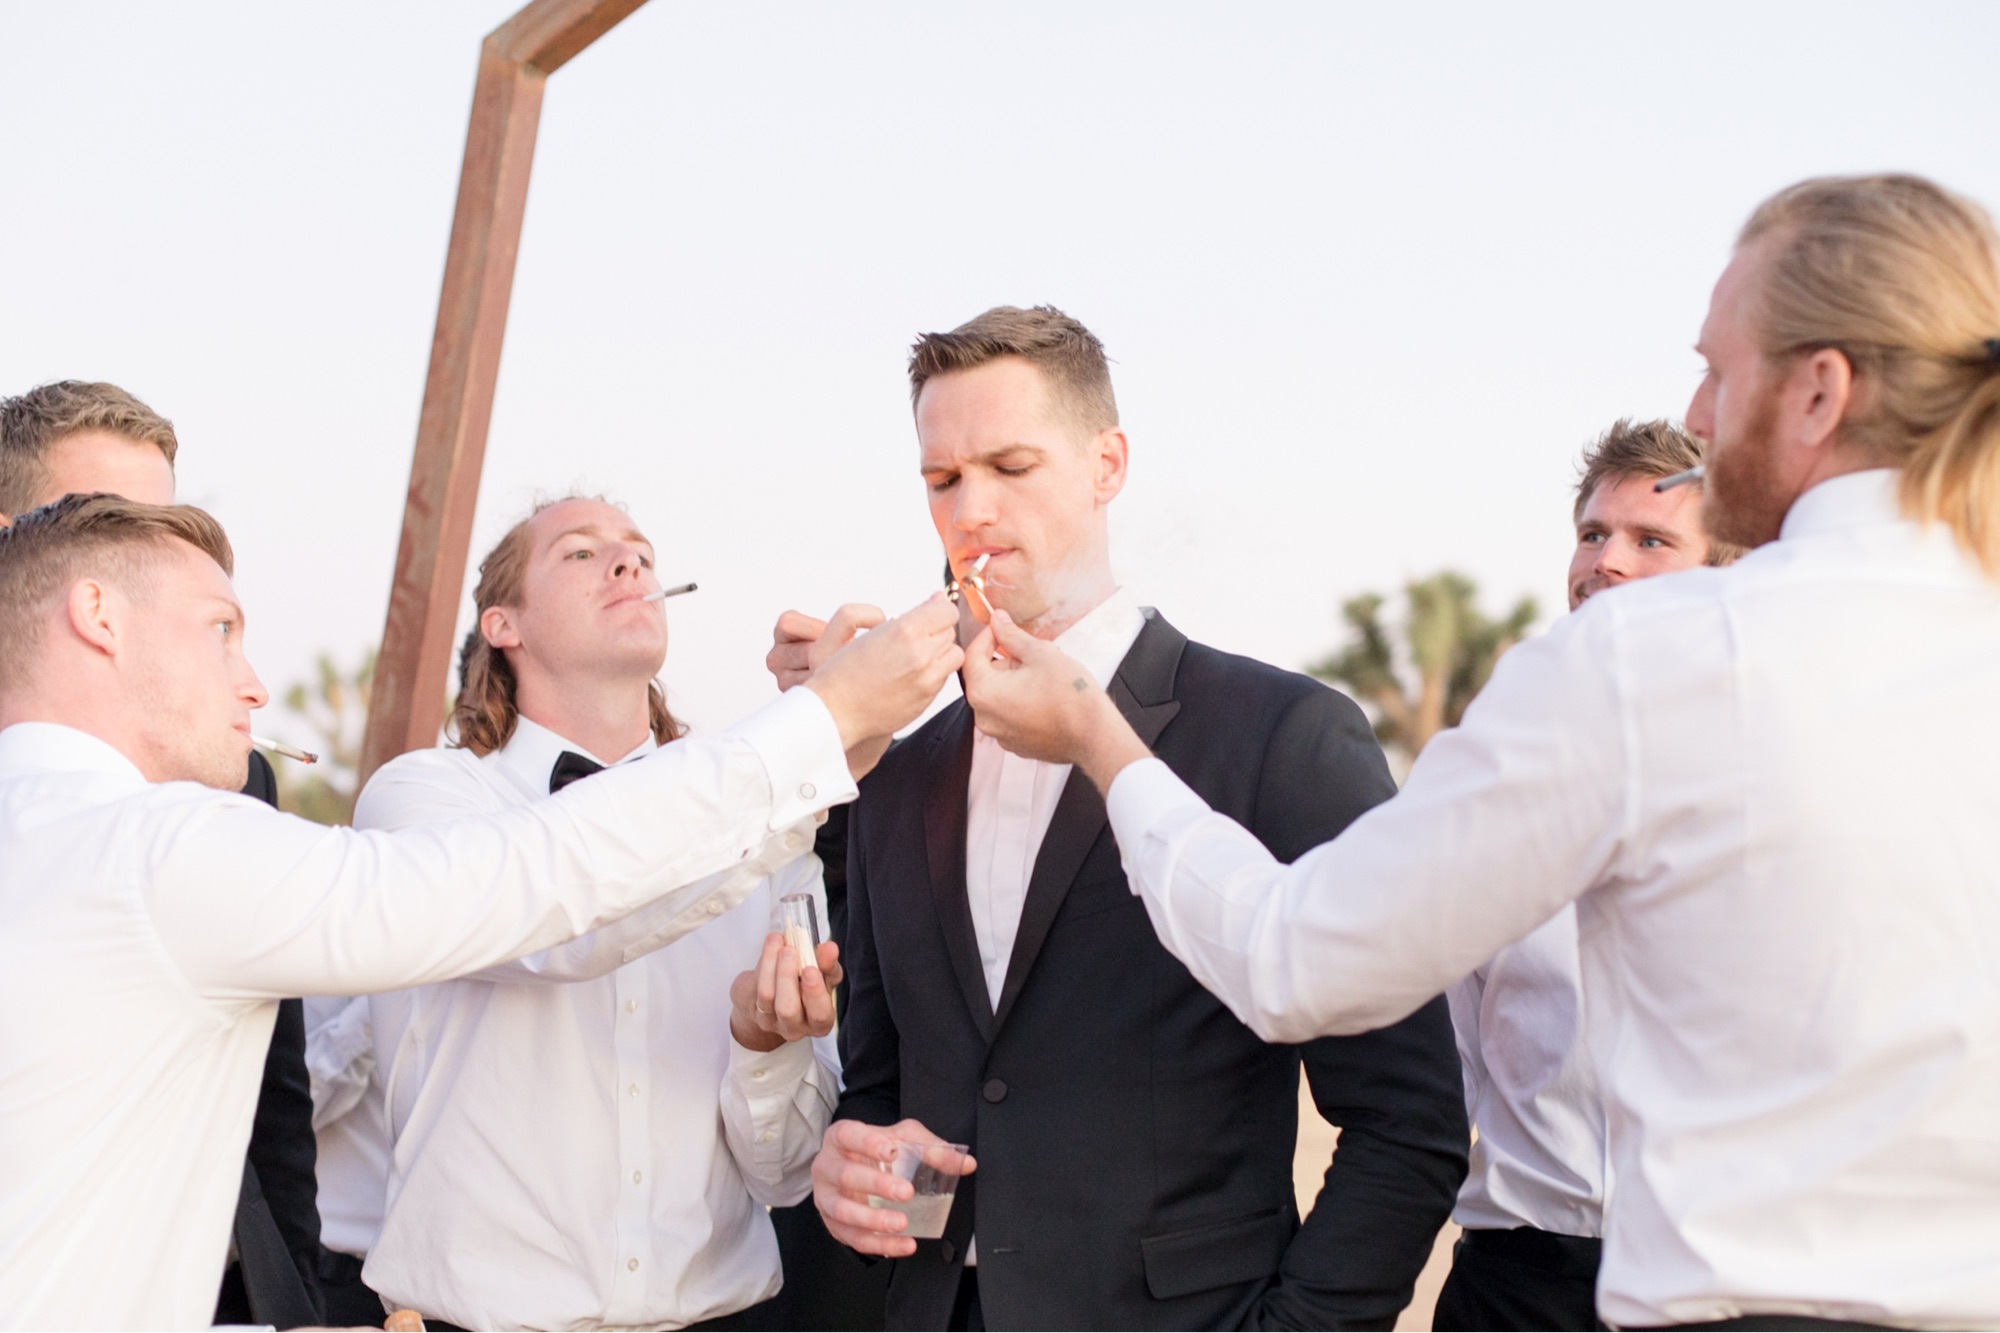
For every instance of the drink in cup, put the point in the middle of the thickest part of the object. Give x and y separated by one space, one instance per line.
933 1170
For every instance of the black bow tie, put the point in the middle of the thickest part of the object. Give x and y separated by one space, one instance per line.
569 767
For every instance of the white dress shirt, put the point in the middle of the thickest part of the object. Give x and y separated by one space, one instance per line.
148 930
579 1141
1774 792
1009 800
1530 1091
350 1122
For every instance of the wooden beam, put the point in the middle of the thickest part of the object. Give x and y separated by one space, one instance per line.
413 670
547 33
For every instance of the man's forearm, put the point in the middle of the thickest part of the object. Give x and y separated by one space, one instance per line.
1108 745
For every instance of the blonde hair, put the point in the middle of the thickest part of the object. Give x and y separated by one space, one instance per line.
48 549
1902 277
34 423
1643 451
485 713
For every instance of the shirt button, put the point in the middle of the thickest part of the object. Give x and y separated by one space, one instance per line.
637 1176
631 1265
793 841
759 1073
632 1091
631 1006
714 907
995 1090
767 1136
808 791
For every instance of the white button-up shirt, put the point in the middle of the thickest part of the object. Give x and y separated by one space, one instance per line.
147 931
1009 800
579 1141
1530 1091
1774 792
350 1122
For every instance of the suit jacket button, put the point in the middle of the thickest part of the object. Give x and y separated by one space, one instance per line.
949 1250
996 1090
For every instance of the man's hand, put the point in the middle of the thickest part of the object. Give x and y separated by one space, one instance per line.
799 642
887 677
1041 704
846 1172
777 1001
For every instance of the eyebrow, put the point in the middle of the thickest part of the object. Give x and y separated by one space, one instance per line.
593 530
990 455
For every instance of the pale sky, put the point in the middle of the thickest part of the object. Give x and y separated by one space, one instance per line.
1370 275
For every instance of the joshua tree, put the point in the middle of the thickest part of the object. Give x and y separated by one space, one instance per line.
1449 648
335 706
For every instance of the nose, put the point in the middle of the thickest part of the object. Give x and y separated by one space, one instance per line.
1613 560
1700 419
974 509
624 561
250 689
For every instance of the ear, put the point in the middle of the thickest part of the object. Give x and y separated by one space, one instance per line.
1821 389
498 628
1110 457
92 619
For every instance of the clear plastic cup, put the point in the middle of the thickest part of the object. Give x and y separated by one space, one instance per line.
797 919
933 1170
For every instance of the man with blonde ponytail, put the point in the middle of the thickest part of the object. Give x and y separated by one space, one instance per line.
1770 790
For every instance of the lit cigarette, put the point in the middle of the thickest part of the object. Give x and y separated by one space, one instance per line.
974 582
1695 473
303 756
665 593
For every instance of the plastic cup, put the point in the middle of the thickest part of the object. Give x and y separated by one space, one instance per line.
797 919
933 1170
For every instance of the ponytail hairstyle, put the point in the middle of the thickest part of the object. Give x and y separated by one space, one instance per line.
1902 277
485 712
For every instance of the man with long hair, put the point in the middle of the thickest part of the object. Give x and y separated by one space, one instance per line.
1770 790
591 1135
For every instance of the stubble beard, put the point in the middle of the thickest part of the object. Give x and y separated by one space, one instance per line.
1744 500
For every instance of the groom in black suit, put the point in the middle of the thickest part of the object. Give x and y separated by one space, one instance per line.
1006 990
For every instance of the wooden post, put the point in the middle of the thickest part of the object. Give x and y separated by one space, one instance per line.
412 671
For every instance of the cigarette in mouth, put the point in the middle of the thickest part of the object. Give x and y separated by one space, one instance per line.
1695 473
303 756
665 593
973 583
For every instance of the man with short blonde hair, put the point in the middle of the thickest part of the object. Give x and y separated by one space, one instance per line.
55 433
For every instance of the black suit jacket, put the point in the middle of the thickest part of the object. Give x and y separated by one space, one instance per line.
277 1210
1135 1141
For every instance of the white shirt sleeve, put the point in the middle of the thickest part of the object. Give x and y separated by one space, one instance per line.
254 905
404 797
340 1055
776 1105
1504 819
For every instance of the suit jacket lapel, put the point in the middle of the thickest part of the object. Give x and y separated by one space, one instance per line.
1143 689
949 772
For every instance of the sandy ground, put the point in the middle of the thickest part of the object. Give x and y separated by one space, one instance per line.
1316 1143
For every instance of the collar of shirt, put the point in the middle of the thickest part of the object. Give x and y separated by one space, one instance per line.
1854 500
532 751
40 747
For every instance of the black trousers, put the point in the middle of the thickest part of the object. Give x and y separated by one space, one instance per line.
1521 1279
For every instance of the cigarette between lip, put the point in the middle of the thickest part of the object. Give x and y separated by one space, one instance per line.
1695 473
665 593
290 752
